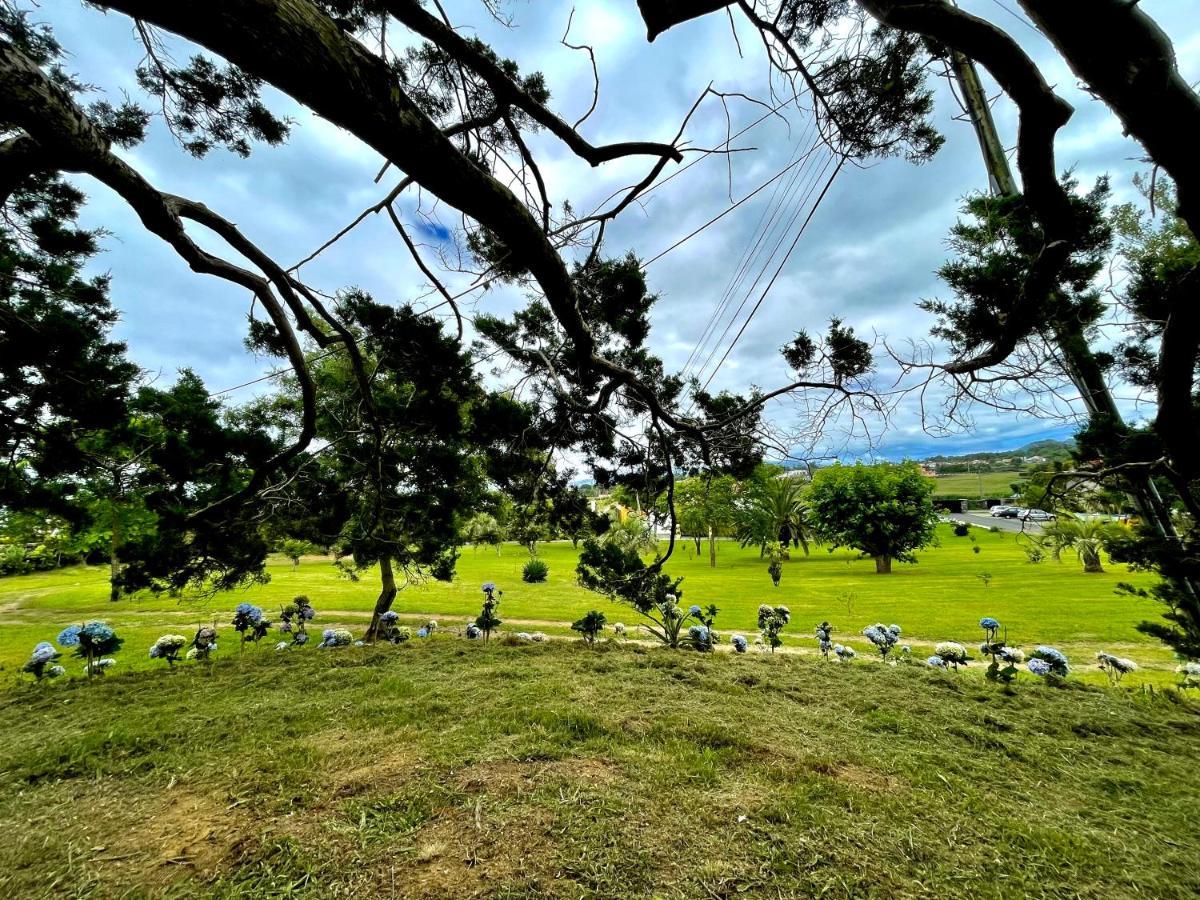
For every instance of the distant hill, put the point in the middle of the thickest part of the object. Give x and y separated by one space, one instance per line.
1050 451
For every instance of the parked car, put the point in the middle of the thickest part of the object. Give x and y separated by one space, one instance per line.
1036 515
1000 512
1011 512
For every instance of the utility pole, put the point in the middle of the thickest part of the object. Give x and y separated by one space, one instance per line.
1077 359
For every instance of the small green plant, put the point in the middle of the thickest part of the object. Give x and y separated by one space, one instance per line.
535 571
985 577
1034 553
961 529
487 621
590 625
776 555
771 620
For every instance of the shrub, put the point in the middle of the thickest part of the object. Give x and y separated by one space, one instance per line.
1048 661
535 572
999 651
739 643
1115 667
1190 672
336 637
961 529
619 630
771 620
204 643
952 654
473 632
487 620
883 637
91 641
844 653
39 663
168 647
700 637
590 625
295 617
824 636
248 621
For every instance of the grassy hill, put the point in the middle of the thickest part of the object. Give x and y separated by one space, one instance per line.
967 484
939 598
454 769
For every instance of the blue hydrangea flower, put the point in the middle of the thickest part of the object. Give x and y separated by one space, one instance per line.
699 633
988 623
895 630
285 627
422 632
301 638
473 632
694 610
69 636
739 643
936 662
327 634
97 633
390 616
43 653
489 586
1038 667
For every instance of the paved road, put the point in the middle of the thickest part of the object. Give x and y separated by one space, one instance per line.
987 521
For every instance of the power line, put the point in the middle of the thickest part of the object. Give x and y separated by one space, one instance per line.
805 193
770 284
752 244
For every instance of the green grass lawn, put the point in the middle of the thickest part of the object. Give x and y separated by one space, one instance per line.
451 769
966 484
939 598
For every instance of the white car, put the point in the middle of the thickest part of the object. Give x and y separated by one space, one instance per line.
1036 515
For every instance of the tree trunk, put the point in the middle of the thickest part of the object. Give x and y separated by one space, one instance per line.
387 595
1091 563
883 564
696 538
712 548
114 558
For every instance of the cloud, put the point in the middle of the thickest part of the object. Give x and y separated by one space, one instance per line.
868 256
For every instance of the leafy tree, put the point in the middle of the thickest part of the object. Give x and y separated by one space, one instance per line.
883 510
293 549
483 529
707 502
632 532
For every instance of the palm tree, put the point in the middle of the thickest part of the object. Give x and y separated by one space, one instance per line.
633 532
773 512
1087 537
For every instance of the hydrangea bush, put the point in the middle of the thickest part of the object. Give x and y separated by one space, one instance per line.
883 637
952 655
168 648
294 618
487 621
39 664
336 637
771 621
1048 662
204 643
1005 659
844 653
249 623
824 636
1115 667
1190 672
91 641
739 643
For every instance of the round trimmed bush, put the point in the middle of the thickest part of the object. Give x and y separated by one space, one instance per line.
535 572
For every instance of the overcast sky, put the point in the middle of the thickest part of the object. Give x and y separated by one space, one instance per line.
867 256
